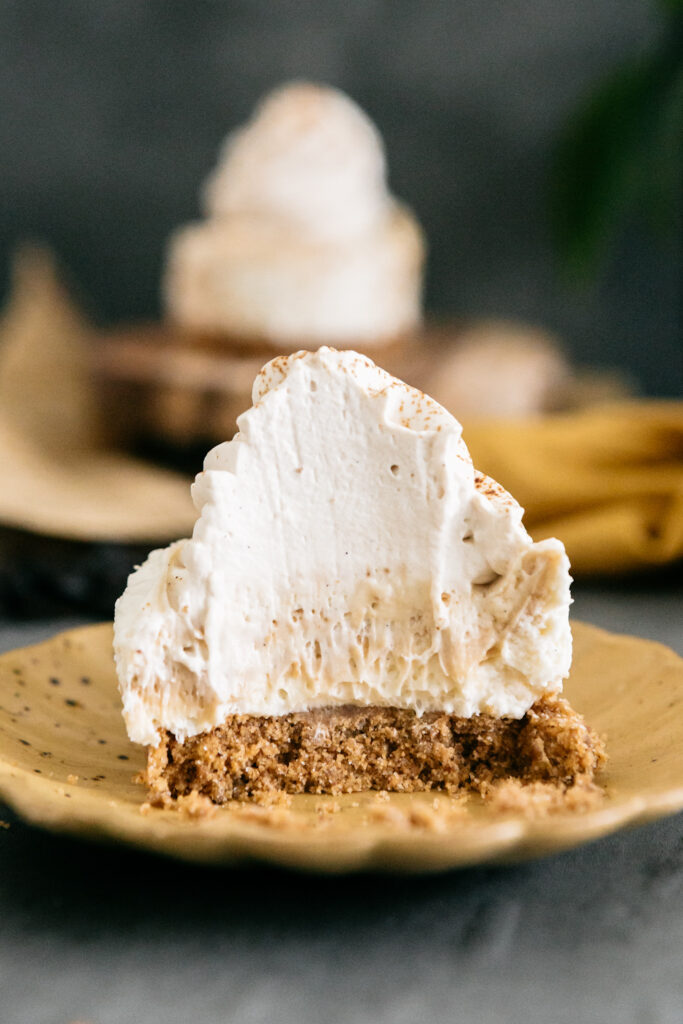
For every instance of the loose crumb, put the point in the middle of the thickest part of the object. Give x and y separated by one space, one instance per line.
328 807
538 799
272 817
435 816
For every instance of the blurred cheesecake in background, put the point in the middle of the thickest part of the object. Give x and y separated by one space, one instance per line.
491 369
303 245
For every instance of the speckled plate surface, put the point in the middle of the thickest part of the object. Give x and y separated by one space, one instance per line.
66 764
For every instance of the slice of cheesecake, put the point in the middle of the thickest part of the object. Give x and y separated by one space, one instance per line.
358 608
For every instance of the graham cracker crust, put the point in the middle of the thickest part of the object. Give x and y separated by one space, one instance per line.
351 750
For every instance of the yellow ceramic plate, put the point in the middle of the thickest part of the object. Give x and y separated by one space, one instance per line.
66 764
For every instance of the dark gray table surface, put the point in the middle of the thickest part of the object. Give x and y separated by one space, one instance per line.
109 936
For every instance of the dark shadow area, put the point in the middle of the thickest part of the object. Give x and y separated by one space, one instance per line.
50 576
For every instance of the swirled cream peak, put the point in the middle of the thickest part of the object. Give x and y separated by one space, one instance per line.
303 243
309 159
345 552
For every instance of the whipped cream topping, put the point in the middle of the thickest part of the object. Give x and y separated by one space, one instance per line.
310 159
346 552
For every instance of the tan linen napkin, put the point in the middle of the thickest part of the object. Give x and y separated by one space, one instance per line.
58 478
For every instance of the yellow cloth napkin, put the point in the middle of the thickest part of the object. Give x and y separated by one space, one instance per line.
608 481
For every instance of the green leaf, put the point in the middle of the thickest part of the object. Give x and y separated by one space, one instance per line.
663 194
621 151
671 7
